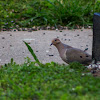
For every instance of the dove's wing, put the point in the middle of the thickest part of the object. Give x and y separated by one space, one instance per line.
74 54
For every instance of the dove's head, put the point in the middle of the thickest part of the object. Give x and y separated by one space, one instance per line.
55 41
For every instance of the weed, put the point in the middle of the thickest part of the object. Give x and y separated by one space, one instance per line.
32 53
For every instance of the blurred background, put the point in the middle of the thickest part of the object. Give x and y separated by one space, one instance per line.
30 13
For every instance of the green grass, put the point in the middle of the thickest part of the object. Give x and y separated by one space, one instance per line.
50 81
29 13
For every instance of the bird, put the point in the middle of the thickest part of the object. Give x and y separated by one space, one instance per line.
70 54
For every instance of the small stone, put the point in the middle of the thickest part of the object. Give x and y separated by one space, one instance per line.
43 33
89 67
60 31
65 39
89 27
10 34
68 39
36 51
2 47
56 29
77 34
51 55
3 37
10 45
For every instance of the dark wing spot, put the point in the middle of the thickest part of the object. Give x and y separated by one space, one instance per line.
80 56
87 56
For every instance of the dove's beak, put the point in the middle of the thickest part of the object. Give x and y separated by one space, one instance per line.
51 44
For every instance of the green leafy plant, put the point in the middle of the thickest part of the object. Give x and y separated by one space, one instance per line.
32 53
48 82
29 13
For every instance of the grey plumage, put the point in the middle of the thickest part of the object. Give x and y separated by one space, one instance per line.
70 54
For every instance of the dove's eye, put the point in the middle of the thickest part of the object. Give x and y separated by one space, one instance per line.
55 40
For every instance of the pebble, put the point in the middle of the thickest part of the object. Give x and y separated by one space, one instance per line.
34 28
56 29
51 55
10 45
43 33
87 45
89 27
94 66
47 51
3 37
65 39
78 35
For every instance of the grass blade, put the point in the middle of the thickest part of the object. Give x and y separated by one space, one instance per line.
32 52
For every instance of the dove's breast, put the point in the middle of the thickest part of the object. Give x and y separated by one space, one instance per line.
63 55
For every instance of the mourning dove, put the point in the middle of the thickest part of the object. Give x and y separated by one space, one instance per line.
70 54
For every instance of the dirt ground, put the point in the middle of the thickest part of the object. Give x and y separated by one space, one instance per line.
12 46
